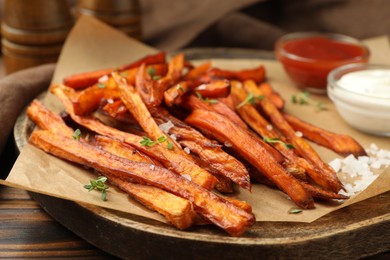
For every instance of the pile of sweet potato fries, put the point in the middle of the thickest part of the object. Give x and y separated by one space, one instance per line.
176 137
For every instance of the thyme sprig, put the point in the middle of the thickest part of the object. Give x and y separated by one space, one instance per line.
250 98
146 141
77 134
304 98
277 140
207 100
100 185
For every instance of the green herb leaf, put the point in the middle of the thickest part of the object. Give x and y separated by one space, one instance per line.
294 211
207 100
152 71
146 141
249 99
101 85
99 185
77 134
304 98
277 140
179 87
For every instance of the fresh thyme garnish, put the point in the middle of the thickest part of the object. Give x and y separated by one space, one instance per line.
249 99
179 87
77 135
99 185
146 141
304 98
152 73
277 140
294 211
101 85
207 100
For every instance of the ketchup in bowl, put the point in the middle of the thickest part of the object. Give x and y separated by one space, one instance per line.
309 57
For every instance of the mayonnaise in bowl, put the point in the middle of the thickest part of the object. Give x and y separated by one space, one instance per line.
361 94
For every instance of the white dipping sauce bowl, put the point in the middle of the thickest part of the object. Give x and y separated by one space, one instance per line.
361 94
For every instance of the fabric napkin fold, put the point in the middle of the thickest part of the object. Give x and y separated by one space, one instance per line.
16 91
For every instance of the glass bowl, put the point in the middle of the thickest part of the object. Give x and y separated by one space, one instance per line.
308 57
361 94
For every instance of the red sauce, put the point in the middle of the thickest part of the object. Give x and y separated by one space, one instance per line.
309 60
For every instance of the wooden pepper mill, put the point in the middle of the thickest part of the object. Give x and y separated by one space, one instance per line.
124 15
33 32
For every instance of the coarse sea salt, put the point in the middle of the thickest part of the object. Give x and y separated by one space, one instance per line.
165 127
358 173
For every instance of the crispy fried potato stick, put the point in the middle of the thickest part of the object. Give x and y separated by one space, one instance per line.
339 143
209 151
138 109
192 102
87 79
171 160
324 175
253 150
47 119
262 127
177 210
122 150
257 74
273 96
217 210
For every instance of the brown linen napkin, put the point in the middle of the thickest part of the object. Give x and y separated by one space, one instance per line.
16 90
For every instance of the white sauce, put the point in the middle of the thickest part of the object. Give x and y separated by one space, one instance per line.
374 83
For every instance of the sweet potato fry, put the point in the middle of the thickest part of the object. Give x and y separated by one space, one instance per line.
86 79
339 143
197 71
257 74
138 109
173 94
208 151
178 211
192 102
250 148
214 89
273 96
324 175
88 100
171 160
262 127
122 149
45 119
217 210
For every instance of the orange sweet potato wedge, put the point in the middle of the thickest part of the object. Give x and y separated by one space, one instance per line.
324 175
198 71
173 94
216 209
87 79
339 143
192 102
177 210
272 95
45 119
171 160
256 74
89 99
214 89
253 151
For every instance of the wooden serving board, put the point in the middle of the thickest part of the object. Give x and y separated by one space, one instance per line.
356 231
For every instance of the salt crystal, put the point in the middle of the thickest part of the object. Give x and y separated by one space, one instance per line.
187 150
165 127
103 79
298 133
269 127
336 164
187 176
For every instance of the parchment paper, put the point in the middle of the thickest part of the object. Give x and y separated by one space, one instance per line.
93 45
